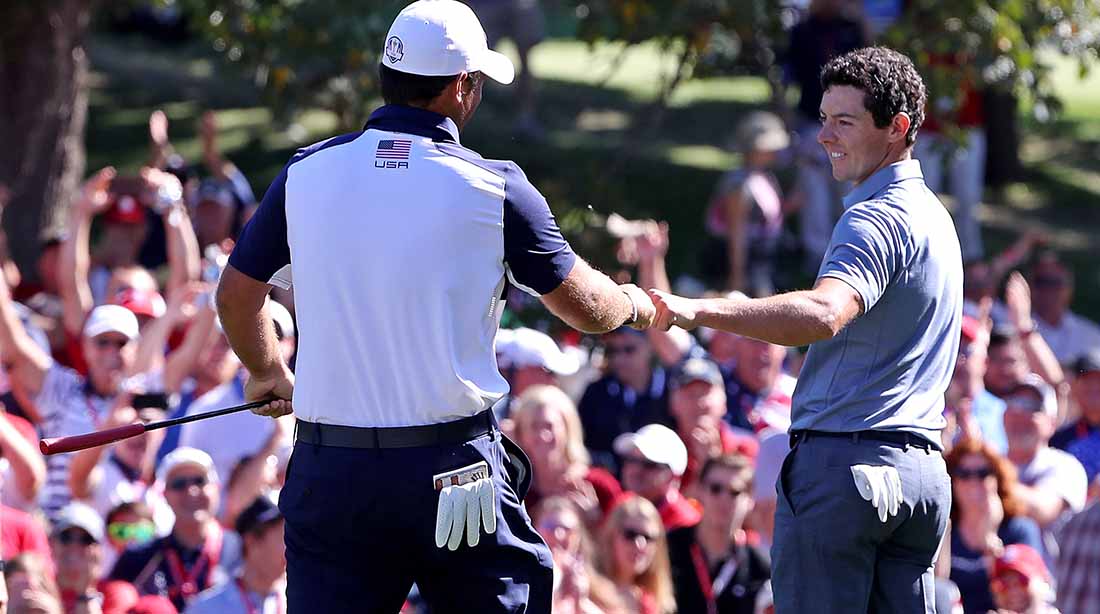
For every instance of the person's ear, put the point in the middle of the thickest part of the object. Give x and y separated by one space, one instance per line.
899 126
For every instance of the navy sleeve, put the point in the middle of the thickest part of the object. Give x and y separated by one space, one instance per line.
262 247
537 256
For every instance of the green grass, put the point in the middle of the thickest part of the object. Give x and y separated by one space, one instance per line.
589 106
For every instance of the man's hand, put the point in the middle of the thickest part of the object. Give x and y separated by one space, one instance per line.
643 303
674 310
158 128
95 194
277 386
1018 301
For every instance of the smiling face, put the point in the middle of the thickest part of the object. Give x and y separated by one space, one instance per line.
856 147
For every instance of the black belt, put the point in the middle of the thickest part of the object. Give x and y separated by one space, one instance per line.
458 431
899 438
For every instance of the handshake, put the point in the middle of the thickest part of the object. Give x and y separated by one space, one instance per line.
662 310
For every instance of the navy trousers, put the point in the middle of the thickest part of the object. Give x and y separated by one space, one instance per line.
360 530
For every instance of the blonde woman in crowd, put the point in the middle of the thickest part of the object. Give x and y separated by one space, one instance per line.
578 587
547 427
633 553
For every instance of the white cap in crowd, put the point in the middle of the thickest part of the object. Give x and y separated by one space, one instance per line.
1049 399
527 347
439 38
81 516
657 443
186 456
111 319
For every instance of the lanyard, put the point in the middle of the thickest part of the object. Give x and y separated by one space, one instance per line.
185 584
250 606
711 590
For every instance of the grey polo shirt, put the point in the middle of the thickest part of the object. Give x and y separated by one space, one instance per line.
888 369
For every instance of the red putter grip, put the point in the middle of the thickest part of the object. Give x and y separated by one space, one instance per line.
59 445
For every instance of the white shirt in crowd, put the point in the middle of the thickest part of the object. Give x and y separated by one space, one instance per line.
1058 473
227 439
1071 339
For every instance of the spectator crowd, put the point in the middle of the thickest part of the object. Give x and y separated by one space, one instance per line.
655 453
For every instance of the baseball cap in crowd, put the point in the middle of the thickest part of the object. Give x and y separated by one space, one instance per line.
259 513
439 38
80 516
142 302
125 209
1089 362
186 456
1022 559
761 131
214 192
111 319
698 370
527 347
1049 401
658 444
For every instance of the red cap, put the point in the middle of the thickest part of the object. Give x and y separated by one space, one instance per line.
126 209
147 303
153 604
971 328
118 596
1023 560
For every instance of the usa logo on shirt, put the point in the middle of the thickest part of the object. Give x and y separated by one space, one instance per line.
392 154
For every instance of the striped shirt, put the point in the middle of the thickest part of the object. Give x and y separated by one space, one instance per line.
69 407
1075 568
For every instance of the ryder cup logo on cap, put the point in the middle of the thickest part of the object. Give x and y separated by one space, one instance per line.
440 38
395 50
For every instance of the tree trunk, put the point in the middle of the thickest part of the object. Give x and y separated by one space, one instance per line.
43 108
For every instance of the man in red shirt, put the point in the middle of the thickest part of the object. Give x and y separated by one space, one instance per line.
653 461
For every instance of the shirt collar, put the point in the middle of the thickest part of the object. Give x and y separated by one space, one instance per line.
898 171
412 120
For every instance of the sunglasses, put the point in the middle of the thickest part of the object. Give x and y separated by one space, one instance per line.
185 483
102 343
633 535
962 473
716 489
132 532
626 350
644 463
75 536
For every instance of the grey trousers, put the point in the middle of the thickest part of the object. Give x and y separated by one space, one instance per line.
832 554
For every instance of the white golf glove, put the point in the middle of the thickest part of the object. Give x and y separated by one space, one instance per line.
467 501
881 486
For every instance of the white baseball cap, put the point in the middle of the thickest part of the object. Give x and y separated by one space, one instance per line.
439 38
527 347
111 319
657 443
186 456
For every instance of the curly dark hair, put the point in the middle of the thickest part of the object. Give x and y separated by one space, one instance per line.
890 82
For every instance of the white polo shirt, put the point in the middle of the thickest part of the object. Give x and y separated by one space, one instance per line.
401 244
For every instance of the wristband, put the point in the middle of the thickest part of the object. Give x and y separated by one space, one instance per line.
633 309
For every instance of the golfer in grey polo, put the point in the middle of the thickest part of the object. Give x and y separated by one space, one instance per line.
863 495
